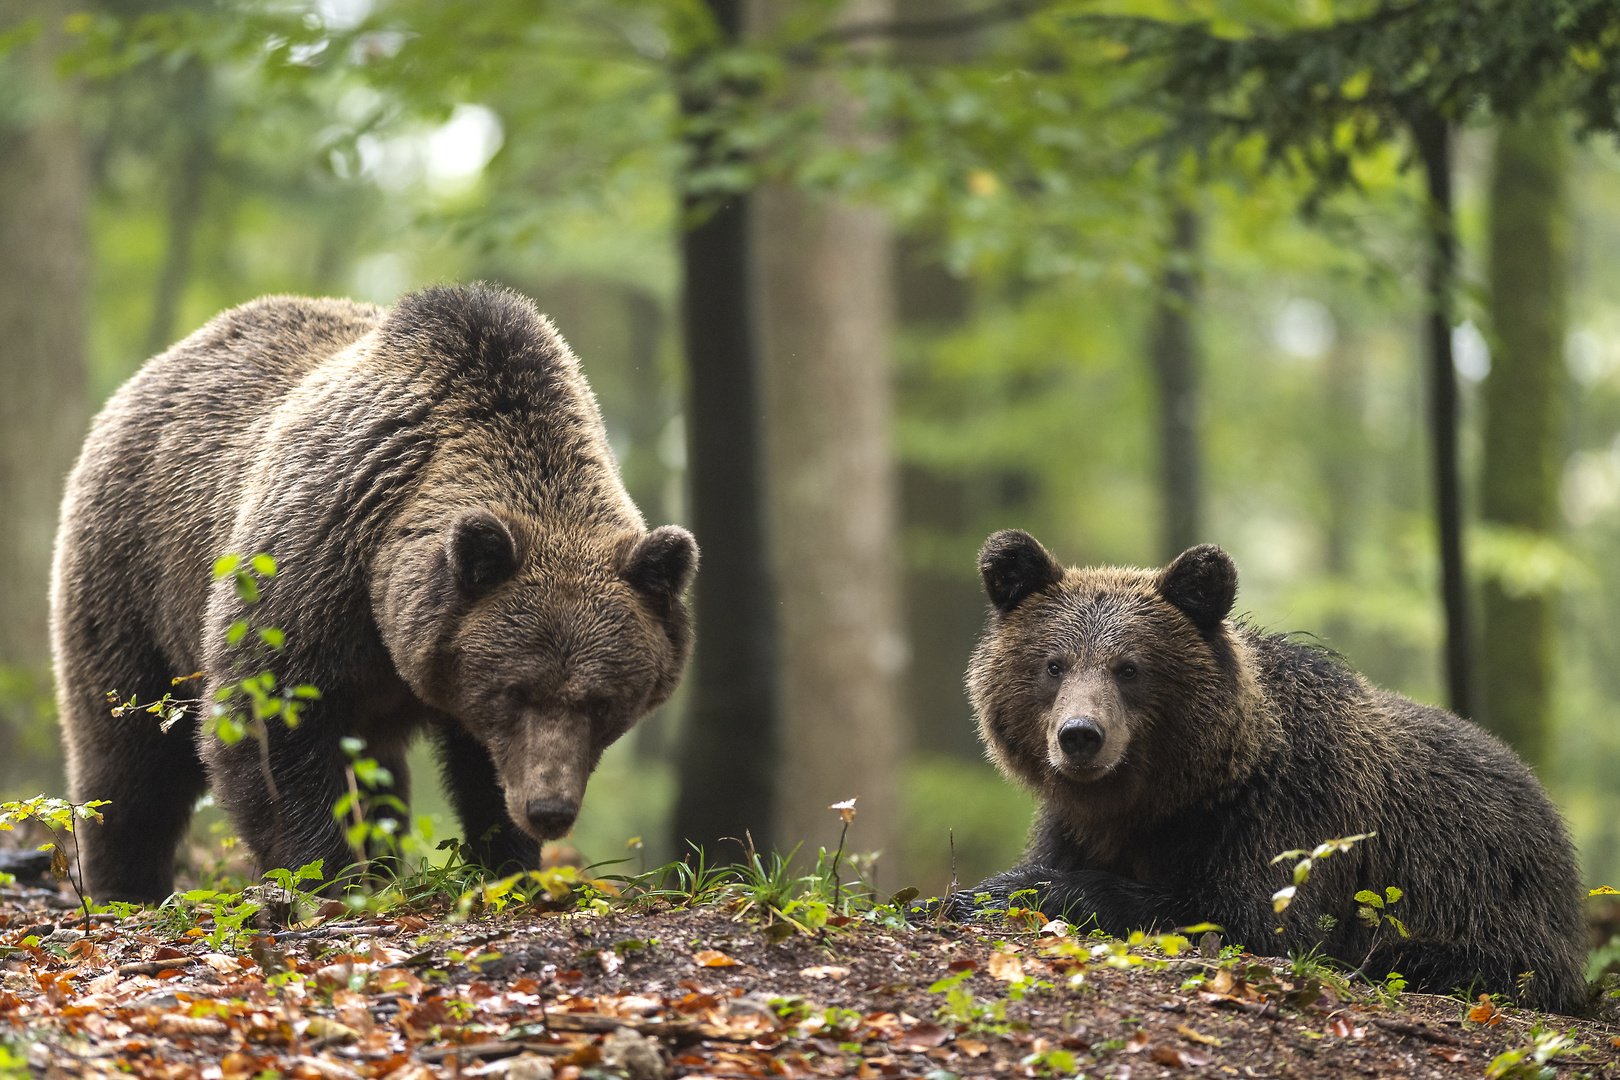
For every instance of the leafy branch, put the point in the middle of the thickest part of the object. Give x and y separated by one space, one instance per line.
57 815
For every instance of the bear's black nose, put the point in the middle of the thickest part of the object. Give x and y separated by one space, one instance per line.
1080 737
552 817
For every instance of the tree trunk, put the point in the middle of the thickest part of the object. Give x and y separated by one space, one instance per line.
43 198
1524 395
826 297
190 171
1433 136
1174 351
727 761
43 255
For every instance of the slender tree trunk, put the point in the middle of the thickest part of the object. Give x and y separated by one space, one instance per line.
1174 351
1524 396
727 759
1433 136
826 279
43 198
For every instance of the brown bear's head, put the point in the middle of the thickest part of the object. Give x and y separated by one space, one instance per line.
1105 689
545 645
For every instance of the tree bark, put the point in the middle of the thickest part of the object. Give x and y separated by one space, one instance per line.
43 201
727 759
826 298
1174 351
1524 395
1432 134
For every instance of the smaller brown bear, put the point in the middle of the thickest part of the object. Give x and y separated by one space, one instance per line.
1177 753
458 556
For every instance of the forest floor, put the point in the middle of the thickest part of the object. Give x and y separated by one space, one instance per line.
653 991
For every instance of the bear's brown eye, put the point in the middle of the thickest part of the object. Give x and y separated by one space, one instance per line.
1126 671
1053 668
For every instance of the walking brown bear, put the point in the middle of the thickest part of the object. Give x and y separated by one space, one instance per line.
456 550
1176 753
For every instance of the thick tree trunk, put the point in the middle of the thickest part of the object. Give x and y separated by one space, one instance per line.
727 760
826 296
1523 416
1173 348
1432 134
43 197
43 256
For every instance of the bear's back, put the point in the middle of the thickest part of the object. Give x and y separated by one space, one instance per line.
141 522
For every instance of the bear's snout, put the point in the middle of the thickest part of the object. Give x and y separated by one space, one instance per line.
551 818
1080 738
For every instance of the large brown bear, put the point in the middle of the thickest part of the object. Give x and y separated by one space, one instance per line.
1176 753
456 553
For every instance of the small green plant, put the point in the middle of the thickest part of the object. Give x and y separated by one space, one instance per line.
1533 1060
1307 860
57 815
265 699
962 1008
1374 910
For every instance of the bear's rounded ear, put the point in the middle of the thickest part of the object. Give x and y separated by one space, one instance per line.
481 550
1202 582
662 562
1014 566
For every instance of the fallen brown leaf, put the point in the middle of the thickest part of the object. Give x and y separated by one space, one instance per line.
1005 967
1485 1012
713 958
1198 1036
1446 1053
1137 1043
825 971
1177 1058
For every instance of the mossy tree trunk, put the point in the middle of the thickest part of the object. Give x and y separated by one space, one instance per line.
727 758
1524 394
43 255
1432 134
1173 348
826 296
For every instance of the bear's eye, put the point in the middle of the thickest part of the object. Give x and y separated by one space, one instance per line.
1125 671
1053 668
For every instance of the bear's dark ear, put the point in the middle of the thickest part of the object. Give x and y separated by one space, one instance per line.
1014 566
1202 582
481 550
662 562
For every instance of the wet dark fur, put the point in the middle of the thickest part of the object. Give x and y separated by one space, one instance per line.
1243 745
456 553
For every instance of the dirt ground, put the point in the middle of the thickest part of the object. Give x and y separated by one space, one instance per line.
666 993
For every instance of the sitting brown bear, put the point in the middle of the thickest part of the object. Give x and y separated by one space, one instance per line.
1176 753
456 553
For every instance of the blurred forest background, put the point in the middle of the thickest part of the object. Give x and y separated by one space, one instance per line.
857 284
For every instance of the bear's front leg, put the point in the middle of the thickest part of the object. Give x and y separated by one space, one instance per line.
1083 898
286 817
480 801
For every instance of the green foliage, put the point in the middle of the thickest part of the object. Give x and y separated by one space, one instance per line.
1373 911
59 816
1533 1060
1308 859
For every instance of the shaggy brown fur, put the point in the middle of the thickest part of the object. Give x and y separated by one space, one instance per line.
456 553
1176 753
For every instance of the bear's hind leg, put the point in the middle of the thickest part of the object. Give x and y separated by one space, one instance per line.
480 802
151 780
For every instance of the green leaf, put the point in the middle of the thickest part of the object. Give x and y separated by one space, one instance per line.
272 637
1393 893
236 633
306 691
264 564
1302 872
1370 898
1399 926
310 871
247 588
904 896
225 564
